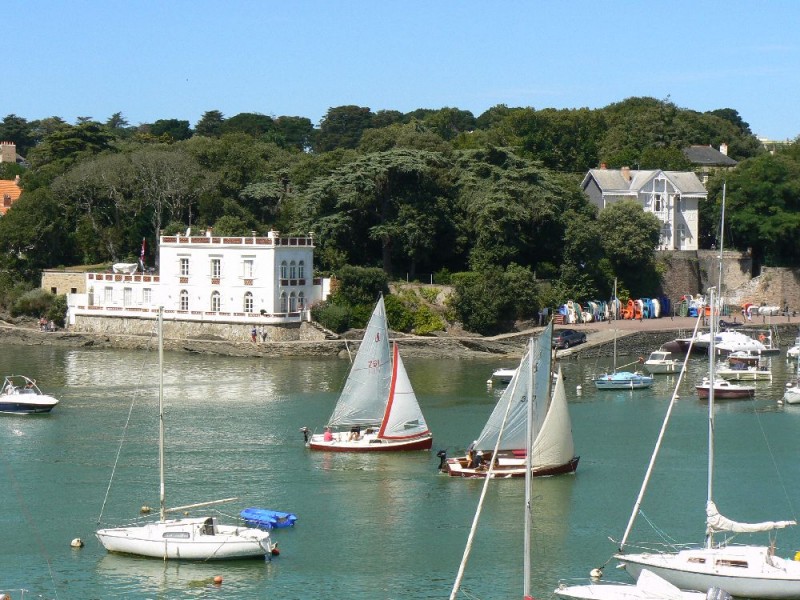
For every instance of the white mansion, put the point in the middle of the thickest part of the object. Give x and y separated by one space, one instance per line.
231 280
672 196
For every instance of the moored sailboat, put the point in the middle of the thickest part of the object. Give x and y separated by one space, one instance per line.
377 410
746 571
190 538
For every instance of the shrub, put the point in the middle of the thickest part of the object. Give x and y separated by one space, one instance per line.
35 303
430 294
426 321
397 313
335 317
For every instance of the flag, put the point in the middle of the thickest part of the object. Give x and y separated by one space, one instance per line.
141 255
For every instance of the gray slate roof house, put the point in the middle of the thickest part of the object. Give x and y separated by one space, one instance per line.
672 196
707 159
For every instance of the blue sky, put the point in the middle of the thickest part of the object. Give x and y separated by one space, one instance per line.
180 58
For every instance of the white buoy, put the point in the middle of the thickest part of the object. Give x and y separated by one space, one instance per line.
145 509
579 390
76 543
489 382
596 573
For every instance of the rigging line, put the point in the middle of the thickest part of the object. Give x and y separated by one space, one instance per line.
654 455
462 567
125 428
781 480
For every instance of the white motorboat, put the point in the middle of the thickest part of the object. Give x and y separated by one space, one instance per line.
377 410
661 361
746 366
198 538
503 375
20 395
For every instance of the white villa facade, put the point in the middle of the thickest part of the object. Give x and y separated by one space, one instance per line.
233 280
672 196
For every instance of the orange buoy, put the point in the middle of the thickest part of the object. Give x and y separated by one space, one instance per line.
218 580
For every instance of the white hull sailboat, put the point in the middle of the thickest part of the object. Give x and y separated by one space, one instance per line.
377 410
197 538
553 448
744 571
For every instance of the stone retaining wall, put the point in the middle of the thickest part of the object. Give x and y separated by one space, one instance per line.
233 332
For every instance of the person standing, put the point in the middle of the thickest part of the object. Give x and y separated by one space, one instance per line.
253 333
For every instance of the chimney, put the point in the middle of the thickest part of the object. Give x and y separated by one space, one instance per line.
626 173
723 148
8 152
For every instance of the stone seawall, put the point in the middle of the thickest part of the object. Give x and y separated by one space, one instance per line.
232 332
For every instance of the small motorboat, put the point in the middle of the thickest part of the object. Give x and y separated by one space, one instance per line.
503 375
623 380
746 366
724 389
20 395
661 361
791 395
264 518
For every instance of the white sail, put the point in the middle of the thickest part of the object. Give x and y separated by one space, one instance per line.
715 522
515 431
363 399
553 444
403 416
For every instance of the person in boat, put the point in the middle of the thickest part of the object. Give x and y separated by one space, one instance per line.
328 435
355 433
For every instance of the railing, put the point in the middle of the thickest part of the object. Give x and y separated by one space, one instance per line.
186 315
240 241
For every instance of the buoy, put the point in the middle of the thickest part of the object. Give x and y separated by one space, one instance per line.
596 573
275 551
489 382
76 543
579 389
145 509
218 580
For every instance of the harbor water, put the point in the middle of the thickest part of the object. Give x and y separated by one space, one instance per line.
377 526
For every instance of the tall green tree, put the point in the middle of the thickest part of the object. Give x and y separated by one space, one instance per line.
394 205
210 124
342 127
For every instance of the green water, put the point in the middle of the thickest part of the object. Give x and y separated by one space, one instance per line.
368 526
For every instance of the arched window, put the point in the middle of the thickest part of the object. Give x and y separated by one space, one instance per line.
215 302
184 300
284 273
292 270
248 302
292 303
301 300
301 270
283 302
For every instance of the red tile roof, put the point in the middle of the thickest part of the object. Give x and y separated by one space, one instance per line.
9 192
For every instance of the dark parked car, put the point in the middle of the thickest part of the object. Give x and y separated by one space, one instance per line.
568 337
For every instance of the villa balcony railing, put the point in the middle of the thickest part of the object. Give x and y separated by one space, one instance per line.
137 312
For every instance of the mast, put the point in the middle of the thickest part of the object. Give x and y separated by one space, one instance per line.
526 578
616 316
712 351
162 494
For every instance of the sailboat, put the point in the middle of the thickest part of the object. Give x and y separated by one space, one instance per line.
746 571
553 450
377 410
622 380
196 538
534 377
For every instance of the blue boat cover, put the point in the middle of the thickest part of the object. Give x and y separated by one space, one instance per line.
264 518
